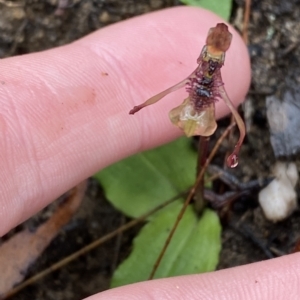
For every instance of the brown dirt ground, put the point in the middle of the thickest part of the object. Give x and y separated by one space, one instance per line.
274 32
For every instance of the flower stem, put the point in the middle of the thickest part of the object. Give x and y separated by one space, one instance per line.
202 156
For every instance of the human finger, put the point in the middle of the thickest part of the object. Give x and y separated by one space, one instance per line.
272 279
65 111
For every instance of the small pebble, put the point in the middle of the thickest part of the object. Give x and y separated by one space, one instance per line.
104 17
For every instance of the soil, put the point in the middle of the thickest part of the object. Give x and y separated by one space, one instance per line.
274 36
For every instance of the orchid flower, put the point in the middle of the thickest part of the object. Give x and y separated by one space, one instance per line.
196 115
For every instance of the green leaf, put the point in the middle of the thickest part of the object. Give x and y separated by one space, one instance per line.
219 7
194 248
143 181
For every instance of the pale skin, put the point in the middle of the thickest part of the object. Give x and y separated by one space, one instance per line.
64 116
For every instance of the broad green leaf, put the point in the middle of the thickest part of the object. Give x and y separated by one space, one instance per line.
194 248
143 181
219 7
